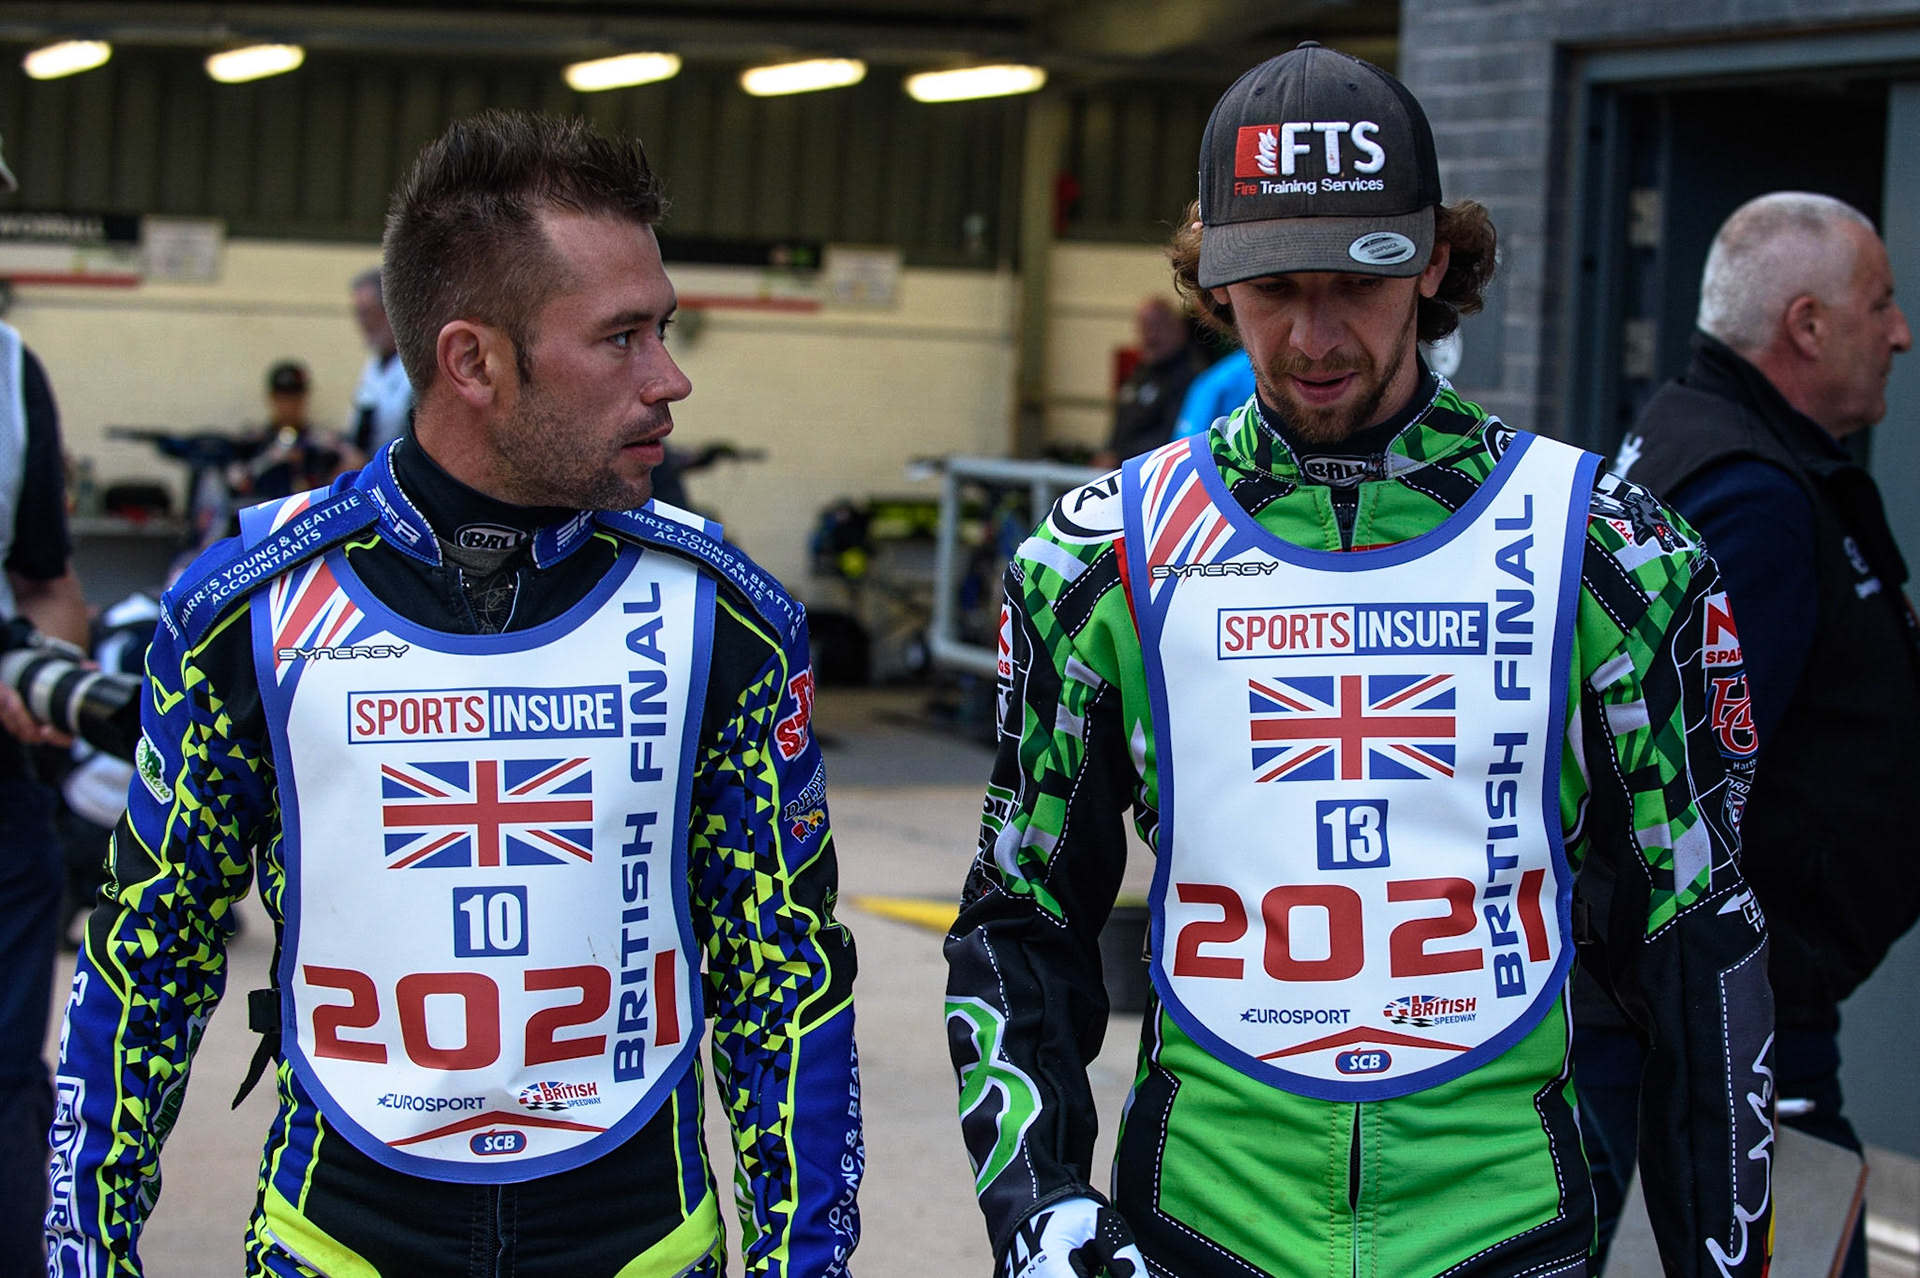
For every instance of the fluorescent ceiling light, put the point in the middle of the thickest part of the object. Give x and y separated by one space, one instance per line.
621 71
802 77
69 57
255 62
974 82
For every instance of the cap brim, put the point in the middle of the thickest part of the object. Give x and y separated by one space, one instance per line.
1397 246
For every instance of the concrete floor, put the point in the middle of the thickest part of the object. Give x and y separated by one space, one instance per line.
905 806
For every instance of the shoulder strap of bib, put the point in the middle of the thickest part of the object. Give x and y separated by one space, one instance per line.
767 597
214 583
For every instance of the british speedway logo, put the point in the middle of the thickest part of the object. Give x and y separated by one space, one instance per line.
1425 1010
559 1096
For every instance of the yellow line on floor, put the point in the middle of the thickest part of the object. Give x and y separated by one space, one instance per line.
935 915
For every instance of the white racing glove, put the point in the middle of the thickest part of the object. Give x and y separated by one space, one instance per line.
1073 1238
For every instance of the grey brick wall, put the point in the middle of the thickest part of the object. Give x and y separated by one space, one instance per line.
1491 75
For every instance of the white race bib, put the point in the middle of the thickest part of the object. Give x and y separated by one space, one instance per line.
1361 889
489 970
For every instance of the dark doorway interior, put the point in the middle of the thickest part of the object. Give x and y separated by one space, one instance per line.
1668 166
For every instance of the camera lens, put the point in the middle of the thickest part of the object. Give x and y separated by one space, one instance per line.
102 709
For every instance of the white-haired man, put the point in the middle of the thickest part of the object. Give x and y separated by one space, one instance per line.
1798 331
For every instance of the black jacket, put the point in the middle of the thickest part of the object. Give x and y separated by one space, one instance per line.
1828 836
1149 402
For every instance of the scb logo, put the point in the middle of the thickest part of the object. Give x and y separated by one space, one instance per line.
1369 1062
489 1144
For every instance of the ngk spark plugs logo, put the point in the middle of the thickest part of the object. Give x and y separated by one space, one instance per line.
1720 643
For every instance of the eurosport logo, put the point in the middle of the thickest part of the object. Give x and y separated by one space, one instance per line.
431 1104
1361 630
1296 1015
484 714
1425 1010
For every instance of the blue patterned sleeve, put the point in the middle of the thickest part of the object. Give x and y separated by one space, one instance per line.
779 972
154 962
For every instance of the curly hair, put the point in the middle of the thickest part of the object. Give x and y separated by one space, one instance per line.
1466 226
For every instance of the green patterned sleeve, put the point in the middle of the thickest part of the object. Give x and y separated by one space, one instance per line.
1026 1009
1663 747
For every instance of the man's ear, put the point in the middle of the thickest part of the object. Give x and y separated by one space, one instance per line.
1436 268
1805 325
476 361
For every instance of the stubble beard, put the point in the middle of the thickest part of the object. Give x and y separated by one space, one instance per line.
545 467
1329 424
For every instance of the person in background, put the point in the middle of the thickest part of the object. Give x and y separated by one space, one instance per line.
383 401
1215 393
94 791
1149 399
39 584
1798 331
288 453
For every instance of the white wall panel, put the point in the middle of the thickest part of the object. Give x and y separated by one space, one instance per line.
841 399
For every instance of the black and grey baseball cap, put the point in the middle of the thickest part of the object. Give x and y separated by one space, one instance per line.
1316 161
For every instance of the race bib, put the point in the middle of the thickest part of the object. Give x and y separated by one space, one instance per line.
1361 889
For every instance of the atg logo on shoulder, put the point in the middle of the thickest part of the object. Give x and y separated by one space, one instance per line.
484 714
1449 629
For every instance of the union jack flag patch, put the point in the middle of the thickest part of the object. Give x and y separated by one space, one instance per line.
463 813
1352 727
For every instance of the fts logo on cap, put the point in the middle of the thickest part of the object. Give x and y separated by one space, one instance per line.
1274 150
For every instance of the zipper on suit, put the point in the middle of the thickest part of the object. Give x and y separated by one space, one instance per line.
497 1265
1353 1187
1346 513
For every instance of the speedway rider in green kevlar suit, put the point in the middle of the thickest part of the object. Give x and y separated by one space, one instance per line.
1379 676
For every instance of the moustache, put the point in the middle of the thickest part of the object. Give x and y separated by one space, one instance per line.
1336 364
656 422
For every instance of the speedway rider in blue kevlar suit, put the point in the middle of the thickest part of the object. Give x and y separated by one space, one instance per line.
513 751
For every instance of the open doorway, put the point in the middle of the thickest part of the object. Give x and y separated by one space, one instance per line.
1665 167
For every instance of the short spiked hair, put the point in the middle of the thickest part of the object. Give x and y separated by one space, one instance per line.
463 237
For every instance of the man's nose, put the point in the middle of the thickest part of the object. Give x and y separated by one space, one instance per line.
1316 333
1902 335
666 384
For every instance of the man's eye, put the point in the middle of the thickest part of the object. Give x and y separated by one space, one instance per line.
622 339
665 324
